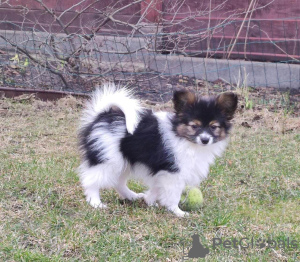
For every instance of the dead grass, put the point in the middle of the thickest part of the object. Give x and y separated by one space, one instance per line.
253 191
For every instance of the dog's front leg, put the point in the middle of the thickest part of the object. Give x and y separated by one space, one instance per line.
170 190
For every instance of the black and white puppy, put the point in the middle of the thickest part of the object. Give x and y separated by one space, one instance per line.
168 151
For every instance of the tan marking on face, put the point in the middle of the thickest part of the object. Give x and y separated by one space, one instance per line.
195 122
218 130
214 122
190 131
185 131
181 129
220 133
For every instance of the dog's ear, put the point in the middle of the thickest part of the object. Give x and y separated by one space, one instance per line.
227 103
182 98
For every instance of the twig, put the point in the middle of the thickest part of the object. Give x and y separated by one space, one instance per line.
241 27
35 60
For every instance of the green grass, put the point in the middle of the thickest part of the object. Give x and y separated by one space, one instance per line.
252 191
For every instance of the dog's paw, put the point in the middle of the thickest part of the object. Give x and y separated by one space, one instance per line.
152 204
135 196
140 195
179 213
130 195
150 201
97 204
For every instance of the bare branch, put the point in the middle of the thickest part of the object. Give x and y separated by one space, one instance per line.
109 45
79 13
70 8
42 64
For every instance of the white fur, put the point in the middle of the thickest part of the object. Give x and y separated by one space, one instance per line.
109 95
192 159
204 135
108 175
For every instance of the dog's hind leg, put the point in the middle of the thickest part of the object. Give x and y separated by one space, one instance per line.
93 196
95 178
151 196
122 188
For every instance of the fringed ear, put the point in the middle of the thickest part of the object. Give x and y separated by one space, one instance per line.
181 98
227 102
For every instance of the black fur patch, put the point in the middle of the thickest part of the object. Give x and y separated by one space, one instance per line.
146 146
95 155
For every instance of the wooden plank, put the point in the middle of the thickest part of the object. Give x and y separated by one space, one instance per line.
45 95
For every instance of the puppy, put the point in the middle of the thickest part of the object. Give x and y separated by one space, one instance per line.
119 140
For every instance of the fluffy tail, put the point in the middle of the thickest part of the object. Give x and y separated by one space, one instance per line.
109 95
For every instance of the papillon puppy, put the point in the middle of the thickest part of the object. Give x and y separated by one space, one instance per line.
168 151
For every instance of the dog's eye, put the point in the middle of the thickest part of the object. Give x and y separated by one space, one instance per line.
214 127
194 126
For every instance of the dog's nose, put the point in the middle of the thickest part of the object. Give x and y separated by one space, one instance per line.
204 140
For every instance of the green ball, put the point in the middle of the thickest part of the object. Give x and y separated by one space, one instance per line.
191 199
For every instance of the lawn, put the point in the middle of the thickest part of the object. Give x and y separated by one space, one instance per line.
253 191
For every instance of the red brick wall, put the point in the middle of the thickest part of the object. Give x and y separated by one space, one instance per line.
278 21
37 16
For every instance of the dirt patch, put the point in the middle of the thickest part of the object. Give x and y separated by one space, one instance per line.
152 86
279 120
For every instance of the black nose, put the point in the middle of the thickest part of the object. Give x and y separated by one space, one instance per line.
204 140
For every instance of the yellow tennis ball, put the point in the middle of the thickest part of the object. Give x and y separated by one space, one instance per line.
191 199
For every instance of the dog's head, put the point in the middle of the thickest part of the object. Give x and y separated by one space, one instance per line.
203 120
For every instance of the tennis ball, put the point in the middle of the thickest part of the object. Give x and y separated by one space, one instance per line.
191 199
